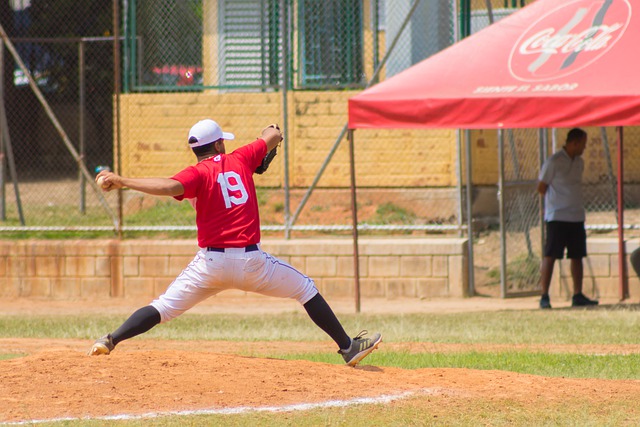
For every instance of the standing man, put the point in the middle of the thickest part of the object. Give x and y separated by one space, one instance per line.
221 189
560 182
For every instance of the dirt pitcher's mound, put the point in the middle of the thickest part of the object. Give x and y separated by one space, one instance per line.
55 384
58 383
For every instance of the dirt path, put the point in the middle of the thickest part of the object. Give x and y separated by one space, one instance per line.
240 303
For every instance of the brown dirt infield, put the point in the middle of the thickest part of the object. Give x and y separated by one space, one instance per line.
57 380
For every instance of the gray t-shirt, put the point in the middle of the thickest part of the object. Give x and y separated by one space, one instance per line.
563 200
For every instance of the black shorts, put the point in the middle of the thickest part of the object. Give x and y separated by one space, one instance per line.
561 235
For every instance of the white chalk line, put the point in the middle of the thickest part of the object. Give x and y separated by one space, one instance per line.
385 398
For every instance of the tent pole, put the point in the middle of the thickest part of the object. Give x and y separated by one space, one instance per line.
354 211
460 180
622 270
467 137
543 149
501 209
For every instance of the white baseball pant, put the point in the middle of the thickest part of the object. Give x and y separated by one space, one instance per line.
211 272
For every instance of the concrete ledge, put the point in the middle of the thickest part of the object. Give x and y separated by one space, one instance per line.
389 268
86 269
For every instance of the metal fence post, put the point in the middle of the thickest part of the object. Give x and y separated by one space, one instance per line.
285 115
116 90
81 124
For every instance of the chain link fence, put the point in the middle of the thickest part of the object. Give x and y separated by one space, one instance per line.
517 223
248 63
57 113
235 58
402 189
168 46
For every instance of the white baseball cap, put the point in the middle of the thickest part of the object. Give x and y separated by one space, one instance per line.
205 132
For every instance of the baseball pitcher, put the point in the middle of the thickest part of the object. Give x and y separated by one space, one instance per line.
221 189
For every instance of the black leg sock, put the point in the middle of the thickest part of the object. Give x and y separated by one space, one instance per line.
138 323
322 315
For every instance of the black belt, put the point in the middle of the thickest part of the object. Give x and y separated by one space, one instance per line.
249 248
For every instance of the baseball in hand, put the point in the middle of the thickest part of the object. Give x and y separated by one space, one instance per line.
101 182
276 127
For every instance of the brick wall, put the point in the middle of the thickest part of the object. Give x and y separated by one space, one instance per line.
389 268
87 269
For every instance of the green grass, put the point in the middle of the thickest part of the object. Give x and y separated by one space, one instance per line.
522 272
599 326
6 356
164 212
160 212
569 365
388 213
418 411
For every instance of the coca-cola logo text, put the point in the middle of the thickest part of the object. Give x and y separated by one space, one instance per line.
548 41
568 39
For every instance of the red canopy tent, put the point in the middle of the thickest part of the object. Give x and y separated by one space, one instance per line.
554 63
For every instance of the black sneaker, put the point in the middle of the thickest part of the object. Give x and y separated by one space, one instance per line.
360 348
579 300
103 345
545 302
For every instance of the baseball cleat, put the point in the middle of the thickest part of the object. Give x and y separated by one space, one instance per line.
103 345
360 348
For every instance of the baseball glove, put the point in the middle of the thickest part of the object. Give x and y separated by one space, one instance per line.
262 168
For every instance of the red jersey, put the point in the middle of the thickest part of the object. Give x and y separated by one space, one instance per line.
222 191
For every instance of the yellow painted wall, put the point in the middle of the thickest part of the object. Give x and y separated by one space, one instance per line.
154 127
598 168
154 130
